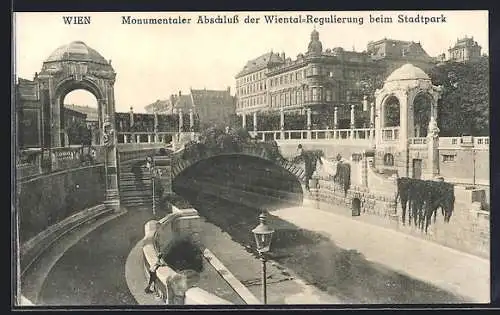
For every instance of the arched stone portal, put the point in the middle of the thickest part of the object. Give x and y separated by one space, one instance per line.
410 88
254 180
77 66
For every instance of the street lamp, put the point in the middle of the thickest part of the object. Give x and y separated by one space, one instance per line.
150 164
263 236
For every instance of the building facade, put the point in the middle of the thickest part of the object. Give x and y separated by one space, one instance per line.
321 79
465 49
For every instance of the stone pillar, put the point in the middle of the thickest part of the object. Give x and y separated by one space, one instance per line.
336 118
243 120
432 149
191 119
282 119
365 103
372 115
131 114
378 127
352 122
181 120
364 171
308 113
282 124
125 138
137 138
255 121
352 116
155 127
111 157
403 122
149 138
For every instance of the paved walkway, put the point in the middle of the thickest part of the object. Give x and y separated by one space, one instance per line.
283 286
446 268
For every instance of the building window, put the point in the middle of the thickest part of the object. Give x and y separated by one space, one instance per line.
315 94
328 95
448 158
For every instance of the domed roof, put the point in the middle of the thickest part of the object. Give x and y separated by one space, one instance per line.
407 72
76 51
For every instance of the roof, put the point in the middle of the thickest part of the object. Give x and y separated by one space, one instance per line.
91 112
260 63
407 72
158 106
182 101
76 51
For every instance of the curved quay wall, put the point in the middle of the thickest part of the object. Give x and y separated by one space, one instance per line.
51 205
172 287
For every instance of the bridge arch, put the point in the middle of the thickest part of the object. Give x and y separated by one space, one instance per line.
247 176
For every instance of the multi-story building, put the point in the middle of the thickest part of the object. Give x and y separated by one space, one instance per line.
465 49
209 106
213 106
252 82
320 79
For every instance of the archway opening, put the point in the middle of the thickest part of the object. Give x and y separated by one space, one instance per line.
247 180
79 118
421 114
392 112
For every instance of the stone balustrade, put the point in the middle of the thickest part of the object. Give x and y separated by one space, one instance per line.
33 162
327 134
172 287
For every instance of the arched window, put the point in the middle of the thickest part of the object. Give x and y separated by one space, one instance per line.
391 112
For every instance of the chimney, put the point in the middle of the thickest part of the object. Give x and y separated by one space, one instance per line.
180 93
283 56
229 89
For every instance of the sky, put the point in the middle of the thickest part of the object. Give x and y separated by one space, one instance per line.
155 61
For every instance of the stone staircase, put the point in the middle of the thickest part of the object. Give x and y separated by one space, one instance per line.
136 189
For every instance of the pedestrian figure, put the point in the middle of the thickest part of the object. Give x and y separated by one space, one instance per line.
152 272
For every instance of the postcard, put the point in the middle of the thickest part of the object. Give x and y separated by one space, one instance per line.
246 158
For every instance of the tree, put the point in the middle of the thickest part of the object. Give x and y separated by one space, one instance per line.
464 105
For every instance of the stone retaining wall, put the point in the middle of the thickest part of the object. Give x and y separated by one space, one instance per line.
48 199
467 231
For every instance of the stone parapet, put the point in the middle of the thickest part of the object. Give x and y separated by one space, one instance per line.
172 287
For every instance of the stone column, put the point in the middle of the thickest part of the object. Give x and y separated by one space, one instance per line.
352 122
125 138
111 164
181 120
432 149
308 113
244 120
155 127
131 114
282 123
191 119
403 122
352 116
365 103
364 171
149 138
255 121
372 115
137 138
336 118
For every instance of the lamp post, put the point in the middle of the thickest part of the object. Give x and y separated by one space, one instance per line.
150 164
263 236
